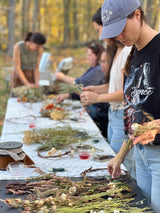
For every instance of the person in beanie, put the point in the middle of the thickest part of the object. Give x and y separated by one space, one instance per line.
125 21
26 59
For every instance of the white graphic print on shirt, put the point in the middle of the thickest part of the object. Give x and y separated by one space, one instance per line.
137 89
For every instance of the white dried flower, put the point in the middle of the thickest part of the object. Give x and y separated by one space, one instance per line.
135 126
72 152
54 208
72 190
63 196
70 204
59 152
92 151
116 211
109 198
111 185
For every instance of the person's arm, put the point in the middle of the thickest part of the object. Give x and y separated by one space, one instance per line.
17 66
115 163
147 134
88 98
36 69
100 89
62 77
62 97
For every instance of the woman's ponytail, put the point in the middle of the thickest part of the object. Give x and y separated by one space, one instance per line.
128 62
28 36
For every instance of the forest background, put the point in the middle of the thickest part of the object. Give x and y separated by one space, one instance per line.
67 25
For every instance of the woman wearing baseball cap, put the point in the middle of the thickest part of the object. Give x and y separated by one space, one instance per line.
126 22
112 92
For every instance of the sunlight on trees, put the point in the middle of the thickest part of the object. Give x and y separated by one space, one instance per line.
64 22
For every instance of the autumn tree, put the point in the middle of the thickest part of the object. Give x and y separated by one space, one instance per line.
25 16
11 25
66 40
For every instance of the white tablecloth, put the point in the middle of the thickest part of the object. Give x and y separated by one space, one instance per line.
20 115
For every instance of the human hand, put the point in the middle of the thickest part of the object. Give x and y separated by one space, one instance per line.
90 88
31 85
114 167
59 76
88 98
146 133
145 138
36 85
62 97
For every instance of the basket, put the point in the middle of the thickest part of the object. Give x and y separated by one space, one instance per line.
12 152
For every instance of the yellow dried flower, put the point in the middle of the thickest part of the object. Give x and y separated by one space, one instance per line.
36 202
18 200
57 115
49 153
72 152
54 150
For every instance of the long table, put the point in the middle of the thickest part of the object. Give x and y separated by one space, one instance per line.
20 115
18 118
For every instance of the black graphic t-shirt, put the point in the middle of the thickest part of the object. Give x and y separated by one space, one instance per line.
142 86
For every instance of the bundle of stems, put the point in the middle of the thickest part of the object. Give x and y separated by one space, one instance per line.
74 88
138 130
27 94
62 195
60 137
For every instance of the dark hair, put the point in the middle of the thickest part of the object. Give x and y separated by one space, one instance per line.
117 43
36 37
110 52
97 17
97 49
130 56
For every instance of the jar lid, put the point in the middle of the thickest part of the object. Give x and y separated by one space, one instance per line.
10 145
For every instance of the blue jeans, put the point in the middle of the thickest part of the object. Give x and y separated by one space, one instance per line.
116 138
115 129
148 173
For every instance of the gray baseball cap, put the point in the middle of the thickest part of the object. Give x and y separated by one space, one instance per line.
114 16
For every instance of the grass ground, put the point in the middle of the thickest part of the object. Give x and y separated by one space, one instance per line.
80 66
